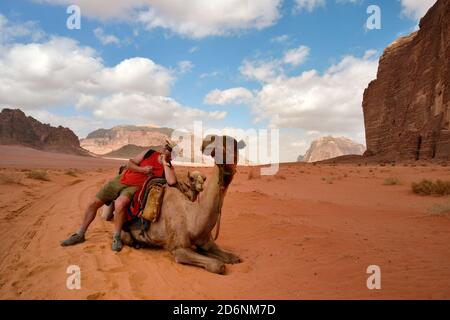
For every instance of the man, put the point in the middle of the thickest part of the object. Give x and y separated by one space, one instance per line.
122 188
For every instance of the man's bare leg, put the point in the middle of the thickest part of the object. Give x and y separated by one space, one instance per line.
89 216
120 205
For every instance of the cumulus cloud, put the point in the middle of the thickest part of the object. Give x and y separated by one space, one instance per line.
329 102
231 96
64 73
197 20
416 9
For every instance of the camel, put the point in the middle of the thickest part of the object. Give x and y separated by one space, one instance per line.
185 228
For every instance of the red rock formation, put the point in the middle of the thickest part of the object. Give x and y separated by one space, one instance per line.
331 147
407 109
18 129
105 141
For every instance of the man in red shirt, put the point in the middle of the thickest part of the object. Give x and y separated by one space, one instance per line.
122 188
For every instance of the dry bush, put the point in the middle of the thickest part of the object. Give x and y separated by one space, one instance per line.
392 181
11 178
72 173
428 187
440 210
38 175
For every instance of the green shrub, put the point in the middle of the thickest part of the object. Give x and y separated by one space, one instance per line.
428 187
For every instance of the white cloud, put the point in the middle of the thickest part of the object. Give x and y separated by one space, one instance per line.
197 19
280 39
329 103
212 74
185 66
296 56
231 96
268 70
308 5
10 32
63 73
193 49
263 71
158 109
416 9
106 39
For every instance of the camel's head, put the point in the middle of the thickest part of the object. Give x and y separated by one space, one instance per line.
196 180
225 151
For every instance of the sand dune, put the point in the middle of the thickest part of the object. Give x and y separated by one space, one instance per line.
308 233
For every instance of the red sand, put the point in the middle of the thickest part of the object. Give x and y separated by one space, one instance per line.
308 233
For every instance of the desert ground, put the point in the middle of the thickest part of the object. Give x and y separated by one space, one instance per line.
310 232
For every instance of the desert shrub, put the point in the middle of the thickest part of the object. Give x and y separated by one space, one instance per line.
72 173
38 175
11 178
441 209
392 181
428 187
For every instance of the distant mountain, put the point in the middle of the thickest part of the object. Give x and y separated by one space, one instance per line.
105 141
129 151
331 147
18 129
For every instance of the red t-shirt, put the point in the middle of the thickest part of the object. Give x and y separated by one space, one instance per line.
132 178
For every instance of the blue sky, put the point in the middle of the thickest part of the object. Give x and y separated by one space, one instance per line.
297 65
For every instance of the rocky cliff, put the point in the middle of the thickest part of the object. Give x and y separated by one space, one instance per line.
331 147
105 141
407 108
18 129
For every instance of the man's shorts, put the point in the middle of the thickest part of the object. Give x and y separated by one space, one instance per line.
113 189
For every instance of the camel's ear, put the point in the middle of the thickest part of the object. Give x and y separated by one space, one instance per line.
189 174
204 177
241 144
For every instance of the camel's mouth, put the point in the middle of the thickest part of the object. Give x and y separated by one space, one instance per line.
227 172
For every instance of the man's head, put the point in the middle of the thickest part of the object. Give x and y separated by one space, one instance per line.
167 150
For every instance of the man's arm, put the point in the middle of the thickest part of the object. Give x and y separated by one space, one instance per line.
133 164
169 172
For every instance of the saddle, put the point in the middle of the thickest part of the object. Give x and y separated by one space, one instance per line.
152 199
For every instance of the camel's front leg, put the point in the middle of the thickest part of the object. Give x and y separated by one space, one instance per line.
211 249
189 256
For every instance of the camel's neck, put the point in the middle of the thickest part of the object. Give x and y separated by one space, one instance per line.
211 200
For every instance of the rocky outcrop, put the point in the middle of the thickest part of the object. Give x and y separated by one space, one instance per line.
407 108
332 147
130 151
18 129
105 141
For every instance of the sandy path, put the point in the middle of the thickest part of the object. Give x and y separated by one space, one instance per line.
310 237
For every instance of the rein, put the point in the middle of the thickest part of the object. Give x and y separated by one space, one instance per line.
222 174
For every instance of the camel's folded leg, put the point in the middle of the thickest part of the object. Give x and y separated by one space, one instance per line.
211 249
189 256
